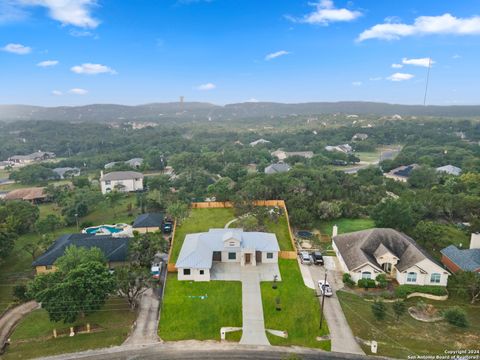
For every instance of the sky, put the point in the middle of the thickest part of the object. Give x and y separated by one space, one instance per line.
73 52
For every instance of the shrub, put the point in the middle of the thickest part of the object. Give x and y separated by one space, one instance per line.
86 224
456 316
403 291
379 310
399 308
20 294
382 281
347 280
366 283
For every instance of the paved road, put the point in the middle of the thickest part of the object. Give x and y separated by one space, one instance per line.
11 318
340 332
196 350
252 310
146 325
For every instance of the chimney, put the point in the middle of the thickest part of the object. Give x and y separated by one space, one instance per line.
334 231
101 174
475 241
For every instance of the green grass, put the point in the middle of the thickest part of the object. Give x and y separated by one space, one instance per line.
300 314
281 231
34 335
344 225
185 318
409 336
200 220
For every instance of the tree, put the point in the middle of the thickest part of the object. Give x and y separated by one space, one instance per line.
456 316
75 256
427 232
178 211
35 246
113 198
222 189
33 174
132 281
379 310
19 216
392 213
49 224
423 177
143 247
77 292
7 240
399 308
81 181
466 283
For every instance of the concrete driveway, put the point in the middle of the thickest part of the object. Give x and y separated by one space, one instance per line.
340 332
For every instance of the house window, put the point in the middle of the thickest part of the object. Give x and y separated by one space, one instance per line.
186 271
269 255
232 256
231 243
366 275
108 182
202 272
48 267
412 277
435 278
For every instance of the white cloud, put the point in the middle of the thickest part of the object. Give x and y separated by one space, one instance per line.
456 56
326 13
57 92
397 66
400 77
92 69
48 63
357 83
78 91
206 87
424 25
425 62
68 12
18 49
276 55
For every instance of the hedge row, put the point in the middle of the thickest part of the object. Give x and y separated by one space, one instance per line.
403 291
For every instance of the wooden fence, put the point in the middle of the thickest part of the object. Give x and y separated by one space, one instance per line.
229 204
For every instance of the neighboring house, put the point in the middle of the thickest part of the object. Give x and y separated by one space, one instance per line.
368 253
115 250
402 173
149 222
66 172
282 155
31 158
201 250
34 194
450 170
359 137
277 168
456 259
134 163
343 148
126 181
259 141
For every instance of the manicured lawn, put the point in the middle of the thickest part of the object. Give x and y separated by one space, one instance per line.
409 336
300 314
33 337
200 220
281 231
344 225
186 316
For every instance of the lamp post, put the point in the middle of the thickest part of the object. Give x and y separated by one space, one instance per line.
323 301
76 219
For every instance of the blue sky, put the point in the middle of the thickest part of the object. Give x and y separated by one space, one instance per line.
69 52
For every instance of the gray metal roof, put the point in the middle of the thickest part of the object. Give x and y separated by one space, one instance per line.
277 168
465 259
450 169
197 249
148 220
115 249
360 247
122 175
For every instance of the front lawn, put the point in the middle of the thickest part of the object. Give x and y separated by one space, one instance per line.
200 220
186 315
33 337
409 336
344 225
300 314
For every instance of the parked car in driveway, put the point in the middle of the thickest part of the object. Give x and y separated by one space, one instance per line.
325 288
317 257
305 258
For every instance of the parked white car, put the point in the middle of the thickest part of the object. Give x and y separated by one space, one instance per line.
305 258
325 288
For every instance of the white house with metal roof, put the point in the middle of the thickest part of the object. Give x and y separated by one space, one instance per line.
200 251
125 181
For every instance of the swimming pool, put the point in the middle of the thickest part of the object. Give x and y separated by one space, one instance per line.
304 234
106 229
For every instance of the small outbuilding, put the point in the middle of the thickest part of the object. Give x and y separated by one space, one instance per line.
149 222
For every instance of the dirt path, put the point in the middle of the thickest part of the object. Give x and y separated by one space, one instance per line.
12 317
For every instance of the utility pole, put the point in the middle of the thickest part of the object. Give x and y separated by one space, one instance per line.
323 301
76 218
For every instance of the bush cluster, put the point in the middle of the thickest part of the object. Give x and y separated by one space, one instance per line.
403 291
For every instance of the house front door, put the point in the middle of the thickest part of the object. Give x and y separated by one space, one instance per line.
248 259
